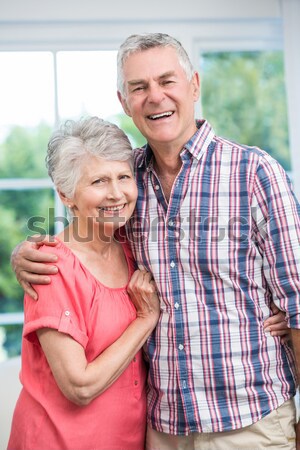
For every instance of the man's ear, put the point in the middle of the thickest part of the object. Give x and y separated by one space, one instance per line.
196 85
124 104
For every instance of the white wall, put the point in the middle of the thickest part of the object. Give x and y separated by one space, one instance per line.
37 10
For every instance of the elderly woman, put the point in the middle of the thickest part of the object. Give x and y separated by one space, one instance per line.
82 370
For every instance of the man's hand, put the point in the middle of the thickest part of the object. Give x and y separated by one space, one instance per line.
29 264
277 325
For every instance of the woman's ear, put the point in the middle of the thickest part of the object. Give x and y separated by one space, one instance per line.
66 201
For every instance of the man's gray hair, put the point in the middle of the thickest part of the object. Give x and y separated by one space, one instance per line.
141 42
71 146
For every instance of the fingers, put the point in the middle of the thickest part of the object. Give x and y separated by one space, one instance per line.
33 278
42 239
35 268
276 325
29 290
32 254
27 261
279 332
279 317
142 291
274 308
141 281
279 328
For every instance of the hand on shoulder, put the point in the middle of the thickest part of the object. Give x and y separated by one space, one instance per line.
30 264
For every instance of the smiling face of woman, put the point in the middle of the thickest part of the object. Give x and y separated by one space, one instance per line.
105 195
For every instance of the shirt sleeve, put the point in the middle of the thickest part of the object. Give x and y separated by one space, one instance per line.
276 214
62 304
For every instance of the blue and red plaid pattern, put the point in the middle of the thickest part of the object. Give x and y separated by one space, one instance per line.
224 247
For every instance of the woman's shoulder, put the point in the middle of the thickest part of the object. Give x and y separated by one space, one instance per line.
60 249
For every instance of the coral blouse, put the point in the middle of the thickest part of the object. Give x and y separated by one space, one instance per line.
76 303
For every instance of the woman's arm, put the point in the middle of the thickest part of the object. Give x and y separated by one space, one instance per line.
81 381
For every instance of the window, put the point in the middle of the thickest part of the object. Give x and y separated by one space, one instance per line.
243 96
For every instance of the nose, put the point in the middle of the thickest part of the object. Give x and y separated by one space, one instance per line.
155 93
114 191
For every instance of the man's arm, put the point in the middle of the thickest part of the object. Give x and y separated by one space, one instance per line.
32 266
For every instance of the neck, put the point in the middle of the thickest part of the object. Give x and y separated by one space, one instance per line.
167 154
87 240
167 164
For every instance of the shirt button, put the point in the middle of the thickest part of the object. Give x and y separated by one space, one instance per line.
171 223
176 305
134 359
136 382
172 264
157 187
67 313
180 346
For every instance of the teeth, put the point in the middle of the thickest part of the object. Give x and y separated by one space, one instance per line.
112 208
158 116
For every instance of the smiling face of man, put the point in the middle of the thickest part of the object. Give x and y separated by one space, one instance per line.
159 97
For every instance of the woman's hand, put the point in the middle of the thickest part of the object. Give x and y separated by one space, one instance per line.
143 294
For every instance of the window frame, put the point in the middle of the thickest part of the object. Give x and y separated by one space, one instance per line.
196 36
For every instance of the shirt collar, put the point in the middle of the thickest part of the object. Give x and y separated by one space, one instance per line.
196 145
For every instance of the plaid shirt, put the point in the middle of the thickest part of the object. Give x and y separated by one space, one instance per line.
220 251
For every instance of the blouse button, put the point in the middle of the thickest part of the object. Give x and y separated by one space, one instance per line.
67 313
136 382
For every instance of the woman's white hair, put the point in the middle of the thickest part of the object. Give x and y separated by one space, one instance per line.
71 146
141 42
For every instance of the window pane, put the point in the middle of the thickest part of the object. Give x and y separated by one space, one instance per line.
23 151
243 96
26 112
87 84
26 90
10 340
23 213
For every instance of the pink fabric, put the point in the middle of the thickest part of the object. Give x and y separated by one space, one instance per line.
95 316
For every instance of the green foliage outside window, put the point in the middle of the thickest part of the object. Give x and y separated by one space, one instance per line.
243 97
22 155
